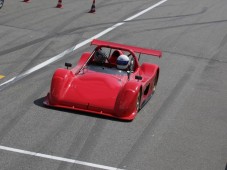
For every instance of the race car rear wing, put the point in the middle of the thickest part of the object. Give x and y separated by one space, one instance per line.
135 49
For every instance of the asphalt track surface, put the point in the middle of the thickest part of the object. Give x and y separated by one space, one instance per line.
182 127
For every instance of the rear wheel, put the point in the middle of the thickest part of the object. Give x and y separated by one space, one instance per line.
1 3
155 82
138 102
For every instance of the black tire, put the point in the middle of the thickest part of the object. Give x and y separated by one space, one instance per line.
1 3
138 107
155 82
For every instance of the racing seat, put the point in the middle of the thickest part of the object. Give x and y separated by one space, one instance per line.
114 56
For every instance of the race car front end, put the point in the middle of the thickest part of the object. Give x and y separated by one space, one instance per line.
92 92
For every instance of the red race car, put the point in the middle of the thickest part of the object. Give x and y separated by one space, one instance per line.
108 81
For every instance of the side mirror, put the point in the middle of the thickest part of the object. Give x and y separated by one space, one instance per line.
138 77
67 65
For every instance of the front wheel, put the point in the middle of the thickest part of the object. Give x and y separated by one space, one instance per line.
1 3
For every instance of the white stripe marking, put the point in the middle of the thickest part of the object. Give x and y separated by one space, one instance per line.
57 158
146 10
59 56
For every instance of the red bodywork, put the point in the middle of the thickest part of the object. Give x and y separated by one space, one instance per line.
105 90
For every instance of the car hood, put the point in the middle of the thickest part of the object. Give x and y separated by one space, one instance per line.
96 90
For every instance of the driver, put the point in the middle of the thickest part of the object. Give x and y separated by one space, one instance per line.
100 57
123 62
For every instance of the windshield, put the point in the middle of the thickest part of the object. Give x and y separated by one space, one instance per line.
107 70
105 60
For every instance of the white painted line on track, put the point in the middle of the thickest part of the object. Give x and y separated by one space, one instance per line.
61 55
36 154
146 10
